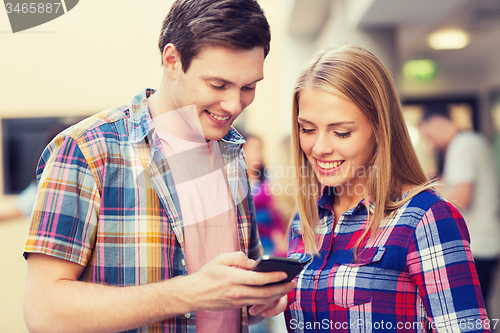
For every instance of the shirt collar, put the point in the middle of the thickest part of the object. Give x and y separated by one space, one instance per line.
140 122
326 200
233 137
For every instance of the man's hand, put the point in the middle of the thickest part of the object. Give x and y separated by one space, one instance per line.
227 283
270 310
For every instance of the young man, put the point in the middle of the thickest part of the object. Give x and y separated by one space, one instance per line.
143 220
469 174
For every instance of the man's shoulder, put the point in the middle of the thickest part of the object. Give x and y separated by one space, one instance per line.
97 123
470 139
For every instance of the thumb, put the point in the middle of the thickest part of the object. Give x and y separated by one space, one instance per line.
236 259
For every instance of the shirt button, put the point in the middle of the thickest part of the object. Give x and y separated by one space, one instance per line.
187 315
183 262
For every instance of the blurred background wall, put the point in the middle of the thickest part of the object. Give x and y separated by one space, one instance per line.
102 53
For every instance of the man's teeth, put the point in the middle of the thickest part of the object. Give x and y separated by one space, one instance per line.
329 165
217 117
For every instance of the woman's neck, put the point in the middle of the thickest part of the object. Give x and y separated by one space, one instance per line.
346 199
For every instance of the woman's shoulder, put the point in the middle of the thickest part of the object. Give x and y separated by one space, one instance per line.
428 201
419 204
429 208
424 198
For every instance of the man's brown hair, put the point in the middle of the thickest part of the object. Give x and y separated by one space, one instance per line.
192 24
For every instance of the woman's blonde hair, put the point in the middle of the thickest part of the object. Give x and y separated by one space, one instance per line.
355 74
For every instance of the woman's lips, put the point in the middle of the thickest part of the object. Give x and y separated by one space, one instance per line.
327 168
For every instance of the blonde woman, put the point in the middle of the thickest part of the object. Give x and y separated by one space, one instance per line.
383 251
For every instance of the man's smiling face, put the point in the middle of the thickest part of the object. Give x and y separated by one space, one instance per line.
220 83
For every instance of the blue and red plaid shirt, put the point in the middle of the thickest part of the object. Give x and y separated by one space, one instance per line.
416 275
107 201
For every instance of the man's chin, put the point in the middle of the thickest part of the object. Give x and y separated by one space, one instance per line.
217 134
213 137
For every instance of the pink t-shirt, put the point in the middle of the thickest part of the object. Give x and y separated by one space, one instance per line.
205 200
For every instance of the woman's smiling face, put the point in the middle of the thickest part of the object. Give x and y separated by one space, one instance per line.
336 138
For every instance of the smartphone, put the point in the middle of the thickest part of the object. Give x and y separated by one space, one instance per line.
290 266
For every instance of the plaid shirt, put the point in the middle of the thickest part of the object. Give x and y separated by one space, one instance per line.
417 275
107 201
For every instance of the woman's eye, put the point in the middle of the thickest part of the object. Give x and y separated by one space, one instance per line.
305 130
343 135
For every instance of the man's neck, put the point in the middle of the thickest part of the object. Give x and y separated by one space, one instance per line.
161 101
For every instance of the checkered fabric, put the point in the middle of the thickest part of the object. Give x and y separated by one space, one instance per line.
417 275
107 201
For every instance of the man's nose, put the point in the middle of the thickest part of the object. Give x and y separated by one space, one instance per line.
232 102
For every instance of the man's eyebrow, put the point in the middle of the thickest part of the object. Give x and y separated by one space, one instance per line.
331 124
260 79
208 77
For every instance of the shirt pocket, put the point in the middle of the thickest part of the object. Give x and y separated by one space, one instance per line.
350 281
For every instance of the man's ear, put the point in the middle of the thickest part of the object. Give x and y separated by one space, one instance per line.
171 60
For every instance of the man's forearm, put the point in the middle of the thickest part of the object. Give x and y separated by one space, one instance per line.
75 306
55 301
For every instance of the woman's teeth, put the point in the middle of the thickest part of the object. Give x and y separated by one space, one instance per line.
217 117
329 165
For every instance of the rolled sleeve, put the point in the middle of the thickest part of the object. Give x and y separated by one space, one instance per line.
66 210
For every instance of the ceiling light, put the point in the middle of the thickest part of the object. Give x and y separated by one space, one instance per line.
448 39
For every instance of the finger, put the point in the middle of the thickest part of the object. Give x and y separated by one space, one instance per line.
258 308
279 308
251 264
261 278
237 259
243 276
265 295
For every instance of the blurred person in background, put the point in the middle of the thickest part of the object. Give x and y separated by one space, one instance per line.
470 176
382 250
22 205
269 220
285 178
